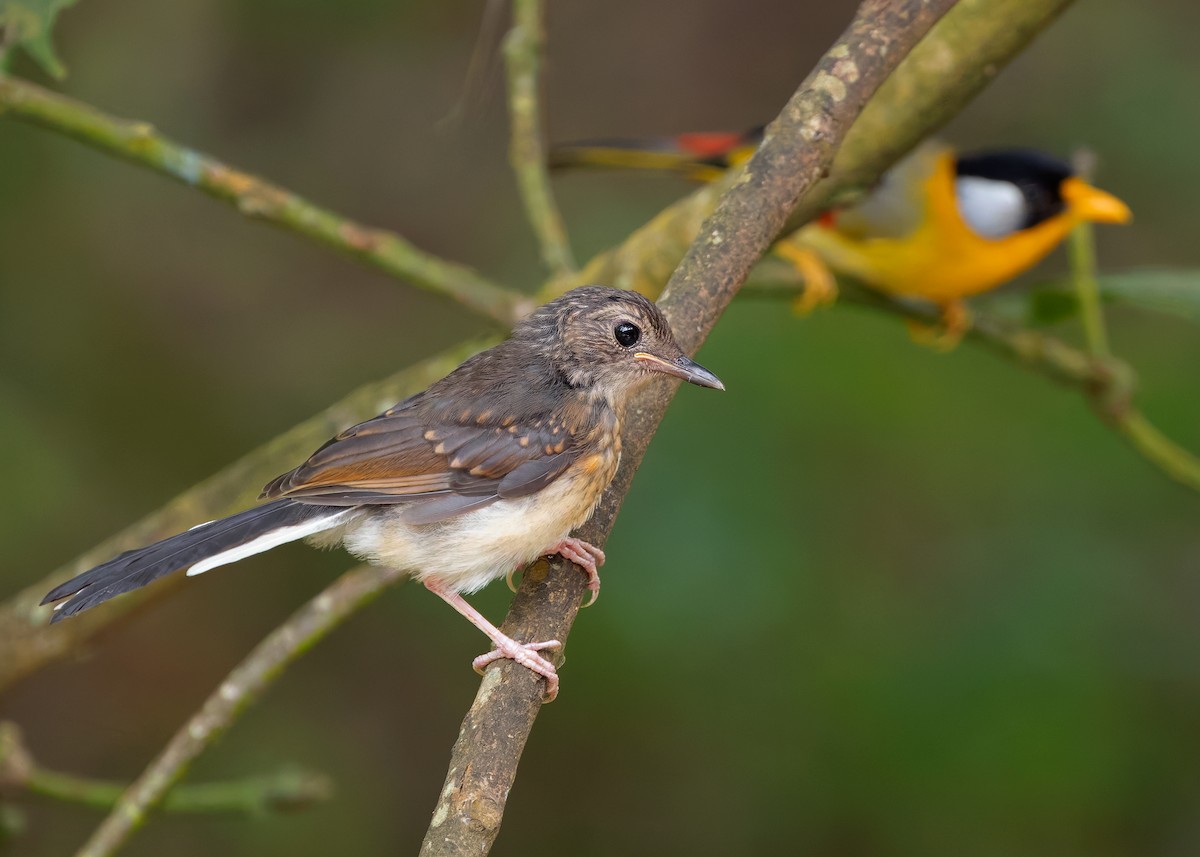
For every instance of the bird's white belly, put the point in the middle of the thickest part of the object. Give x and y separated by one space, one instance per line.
473 549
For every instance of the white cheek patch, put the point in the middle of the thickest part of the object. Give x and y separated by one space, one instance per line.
993 209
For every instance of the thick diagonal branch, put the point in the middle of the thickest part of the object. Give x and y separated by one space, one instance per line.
798 148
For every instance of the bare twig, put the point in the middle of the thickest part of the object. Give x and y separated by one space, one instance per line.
257 198
523 54
244 686
1160 450
1082 252
28 642
798 147
1081 249
288 790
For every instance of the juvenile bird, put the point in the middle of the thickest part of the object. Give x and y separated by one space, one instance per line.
488 469
938 226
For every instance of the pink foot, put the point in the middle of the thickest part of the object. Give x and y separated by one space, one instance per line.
586 556
506 647
525 654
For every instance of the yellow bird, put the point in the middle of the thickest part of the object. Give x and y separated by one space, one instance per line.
938 226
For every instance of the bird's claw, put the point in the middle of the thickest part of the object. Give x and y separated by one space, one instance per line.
820 285
953 324
586 556
525 654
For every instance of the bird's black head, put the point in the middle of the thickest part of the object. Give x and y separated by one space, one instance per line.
609 340
1038 177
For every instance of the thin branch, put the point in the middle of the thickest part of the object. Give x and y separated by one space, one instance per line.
244 686
798 148
1107 381
1081 248
1164 453
288 790
1111 380
28 642
285 791
257 198
523 56
1160 450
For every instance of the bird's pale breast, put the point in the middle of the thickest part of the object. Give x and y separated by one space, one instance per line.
473 549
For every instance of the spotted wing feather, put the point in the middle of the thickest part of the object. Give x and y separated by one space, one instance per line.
438 468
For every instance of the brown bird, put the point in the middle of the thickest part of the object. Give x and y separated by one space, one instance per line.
486 470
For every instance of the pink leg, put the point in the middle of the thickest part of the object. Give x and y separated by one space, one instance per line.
525 654
586 556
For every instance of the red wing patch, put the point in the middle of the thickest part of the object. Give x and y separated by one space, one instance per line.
828 218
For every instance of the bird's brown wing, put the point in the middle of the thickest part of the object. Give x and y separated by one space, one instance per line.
439 467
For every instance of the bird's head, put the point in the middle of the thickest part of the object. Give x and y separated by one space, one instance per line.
610 341
1006 190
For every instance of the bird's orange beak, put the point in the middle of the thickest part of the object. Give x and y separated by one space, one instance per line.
681 367
1092 204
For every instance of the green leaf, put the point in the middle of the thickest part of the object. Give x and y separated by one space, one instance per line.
1174 292
1051 306
28 23
1169 291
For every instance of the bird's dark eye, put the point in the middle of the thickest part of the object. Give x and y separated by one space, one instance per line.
627 334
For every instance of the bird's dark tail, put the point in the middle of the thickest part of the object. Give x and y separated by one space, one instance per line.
199 549
660 153
702 157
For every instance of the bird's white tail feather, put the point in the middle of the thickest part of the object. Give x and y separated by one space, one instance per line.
266 541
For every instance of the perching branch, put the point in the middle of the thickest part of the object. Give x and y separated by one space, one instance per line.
798 148
523 56
1047 355
288 790
28 642
258 198
244 686
1108 382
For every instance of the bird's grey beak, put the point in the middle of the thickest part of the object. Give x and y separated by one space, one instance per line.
681 367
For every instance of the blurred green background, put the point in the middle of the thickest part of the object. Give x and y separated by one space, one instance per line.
872 601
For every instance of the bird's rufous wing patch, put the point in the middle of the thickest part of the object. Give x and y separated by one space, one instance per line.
403 456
